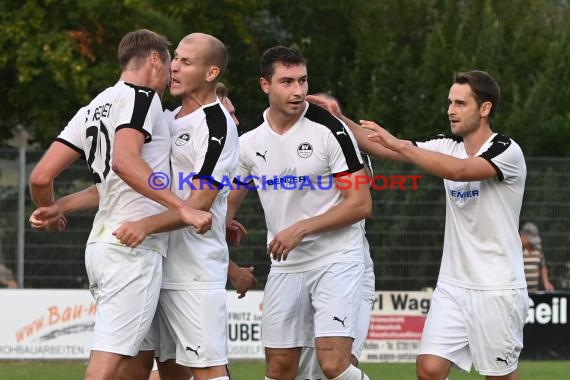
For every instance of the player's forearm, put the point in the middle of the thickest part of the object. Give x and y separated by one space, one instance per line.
137 174
79 201
370 147
446 166
201 199
42 194
348 211
235 198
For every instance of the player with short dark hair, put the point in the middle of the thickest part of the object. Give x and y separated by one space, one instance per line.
314 235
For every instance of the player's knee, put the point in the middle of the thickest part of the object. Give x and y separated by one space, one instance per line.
277 369
333 368
429 370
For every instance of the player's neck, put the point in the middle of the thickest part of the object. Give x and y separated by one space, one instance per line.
475 140
136 77
192 102
281 122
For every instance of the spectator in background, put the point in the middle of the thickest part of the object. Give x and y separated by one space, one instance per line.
535 269
7 279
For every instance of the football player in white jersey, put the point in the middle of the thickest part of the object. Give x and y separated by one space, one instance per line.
480 303
296 158
192 315
122 136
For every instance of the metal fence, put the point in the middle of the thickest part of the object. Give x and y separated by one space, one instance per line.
405 231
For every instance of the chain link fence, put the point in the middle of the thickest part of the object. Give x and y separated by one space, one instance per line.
405 231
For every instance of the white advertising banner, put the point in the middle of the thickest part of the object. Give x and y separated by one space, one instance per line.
396 326
46 324
58 324
244 325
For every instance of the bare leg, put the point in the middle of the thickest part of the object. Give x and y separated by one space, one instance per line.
106 366
432 367
282 363
333 354
169 370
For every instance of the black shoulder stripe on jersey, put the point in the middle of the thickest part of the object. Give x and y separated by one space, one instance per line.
70 145
439 136
143 100
323 117
217 132
498 145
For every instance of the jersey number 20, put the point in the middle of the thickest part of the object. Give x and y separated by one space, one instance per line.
94 132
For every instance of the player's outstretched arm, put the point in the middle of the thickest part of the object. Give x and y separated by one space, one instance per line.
439 164
331 104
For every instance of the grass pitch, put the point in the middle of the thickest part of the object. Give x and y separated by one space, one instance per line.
253 370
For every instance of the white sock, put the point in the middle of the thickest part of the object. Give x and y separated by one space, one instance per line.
221 378
268 378
352 373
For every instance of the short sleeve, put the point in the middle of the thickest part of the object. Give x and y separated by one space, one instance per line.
71 134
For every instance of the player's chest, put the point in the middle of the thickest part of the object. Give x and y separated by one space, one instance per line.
185 145
301 155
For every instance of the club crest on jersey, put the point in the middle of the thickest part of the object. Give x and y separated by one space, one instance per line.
182 139
305 150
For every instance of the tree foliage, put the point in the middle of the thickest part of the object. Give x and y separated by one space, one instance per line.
388 60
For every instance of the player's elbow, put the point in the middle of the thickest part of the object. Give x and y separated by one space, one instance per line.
458 173
120 165
364 207
39 179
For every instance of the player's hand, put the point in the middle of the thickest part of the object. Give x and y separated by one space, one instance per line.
381 136
327 102
49 218
200 220
132 234
242 279
234 232
548 286
285 241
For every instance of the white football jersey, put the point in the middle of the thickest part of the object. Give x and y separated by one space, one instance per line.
205 146
482 248
91 132
293 174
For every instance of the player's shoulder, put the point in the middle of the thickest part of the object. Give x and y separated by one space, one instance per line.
255 132
216 116
137 90
324 118
501 144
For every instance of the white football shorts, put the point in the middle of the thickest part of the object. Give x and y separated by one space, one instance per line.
193 324
479 327
323 302
125 283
